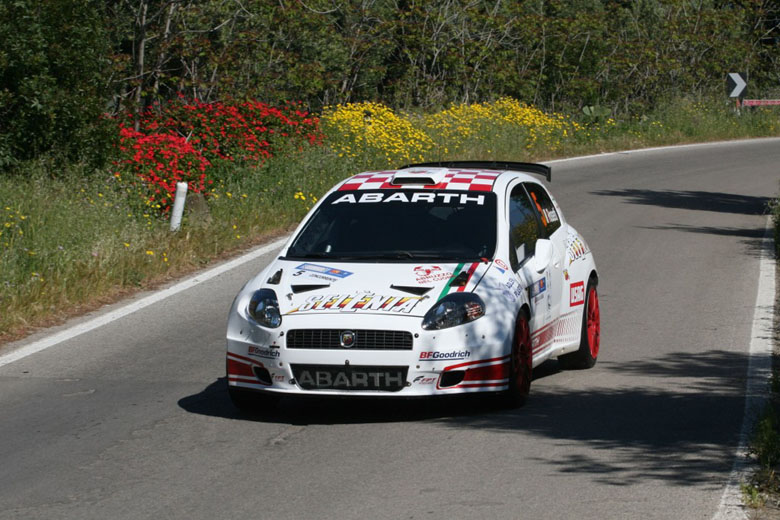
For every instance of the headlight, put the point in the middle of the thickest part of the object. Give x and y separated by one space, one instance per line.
454 309
264 308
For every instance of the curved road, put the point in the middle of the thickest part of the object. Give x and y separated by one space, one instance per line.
131 420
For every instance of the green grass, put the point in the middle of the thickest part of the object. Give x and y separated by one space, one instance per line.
762 491
71 239
763 488
76 239
765 444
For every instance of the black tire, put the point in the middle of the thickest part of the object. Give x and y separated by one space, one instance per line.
248 401
590 338
521 365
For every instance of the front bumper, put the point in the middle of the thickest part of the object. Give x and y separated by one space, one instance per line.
468 358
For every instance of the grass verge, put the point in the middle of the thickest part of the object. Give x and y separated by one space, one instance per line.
71 239
762 492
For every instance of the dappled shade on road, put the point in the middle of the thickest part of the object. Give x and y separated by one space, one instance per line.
693 200
628 434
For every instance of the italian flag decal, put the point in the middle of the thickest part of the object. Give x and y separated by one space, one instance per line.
466 277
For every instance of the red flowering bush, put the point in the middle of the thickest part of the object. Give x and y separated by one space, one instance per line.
187 141
161 161
245 132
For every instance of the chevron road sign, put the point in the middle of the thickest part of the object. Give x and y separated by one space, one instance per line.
735 85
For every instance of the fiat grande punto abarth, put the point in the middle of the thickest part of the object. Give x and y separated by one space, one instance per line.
434 279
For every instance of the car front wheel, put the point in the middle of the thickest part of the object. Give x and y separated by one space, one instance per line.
520 365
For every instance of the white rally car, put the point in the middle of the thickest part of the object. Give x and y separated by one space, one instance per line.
434 279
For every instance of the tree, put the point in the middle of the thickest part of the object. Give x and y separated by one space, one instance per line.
53 86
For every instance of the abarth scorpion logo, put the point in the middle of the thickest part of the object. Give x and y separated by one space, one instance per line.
347 338
426 271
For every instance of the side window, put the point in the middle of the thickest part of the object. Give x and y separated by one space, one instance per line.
523 227
545 207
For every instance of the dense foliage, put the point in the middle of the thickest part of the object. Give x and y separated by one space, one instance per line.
54 59
63 62
431 52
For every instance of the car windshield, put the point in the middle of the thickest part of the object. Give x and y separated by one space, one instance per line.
400 225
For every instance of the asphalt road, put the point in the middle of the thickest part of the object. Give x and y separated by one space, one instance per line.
132 421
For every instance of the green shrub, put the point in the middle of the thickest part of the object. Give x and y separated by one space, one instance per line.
53 83
765 444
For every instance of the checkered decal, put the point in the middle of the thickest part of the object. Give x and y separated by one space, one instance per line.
453 180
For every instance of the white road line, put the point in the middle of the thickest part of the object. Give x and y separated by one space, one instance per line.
758 375
662 148
104 319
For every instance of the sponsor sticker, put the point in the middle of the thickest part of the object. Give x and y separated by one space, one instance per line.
575 248
317 276
577 294
511 289
400 196
364 302
539 287
448 356
551 214
423 380
430 274
263 352
322 269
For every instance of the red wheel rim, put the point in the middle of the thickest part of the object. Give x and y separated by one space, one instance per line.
521 356
594 322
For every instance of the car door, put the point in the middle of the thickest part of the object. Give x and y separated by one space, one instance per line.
553 230
525 229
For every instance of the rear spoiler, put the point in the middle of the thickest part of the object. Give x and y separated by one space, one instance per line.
539 169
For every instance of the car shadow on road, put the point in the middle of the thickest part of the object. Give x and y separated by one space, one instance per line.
214 401
674 418
693 199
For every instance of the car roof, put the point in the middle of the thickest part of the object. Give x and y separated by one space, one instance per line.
435 178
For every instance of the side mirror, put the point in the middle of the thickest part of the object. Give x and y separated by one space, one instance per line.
543 254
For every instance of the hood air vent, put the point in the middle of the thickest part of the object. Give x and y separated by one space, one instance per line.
304 288
274 280
413 289
419 177
461 280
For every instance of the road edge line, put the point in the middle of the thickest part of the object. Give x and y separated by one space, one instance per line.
99 321
759 370
661 148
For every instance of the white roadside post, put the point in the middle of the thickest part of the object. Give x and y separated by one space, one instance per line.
178 205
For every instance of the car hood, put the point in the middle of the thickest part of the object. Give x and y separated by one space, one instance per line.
403 289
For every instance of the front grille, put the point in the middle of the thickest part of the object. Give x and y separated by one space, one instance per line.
364 339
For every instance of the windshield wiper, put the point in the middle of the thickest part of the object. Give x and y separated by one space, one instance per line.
396 255
308 255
